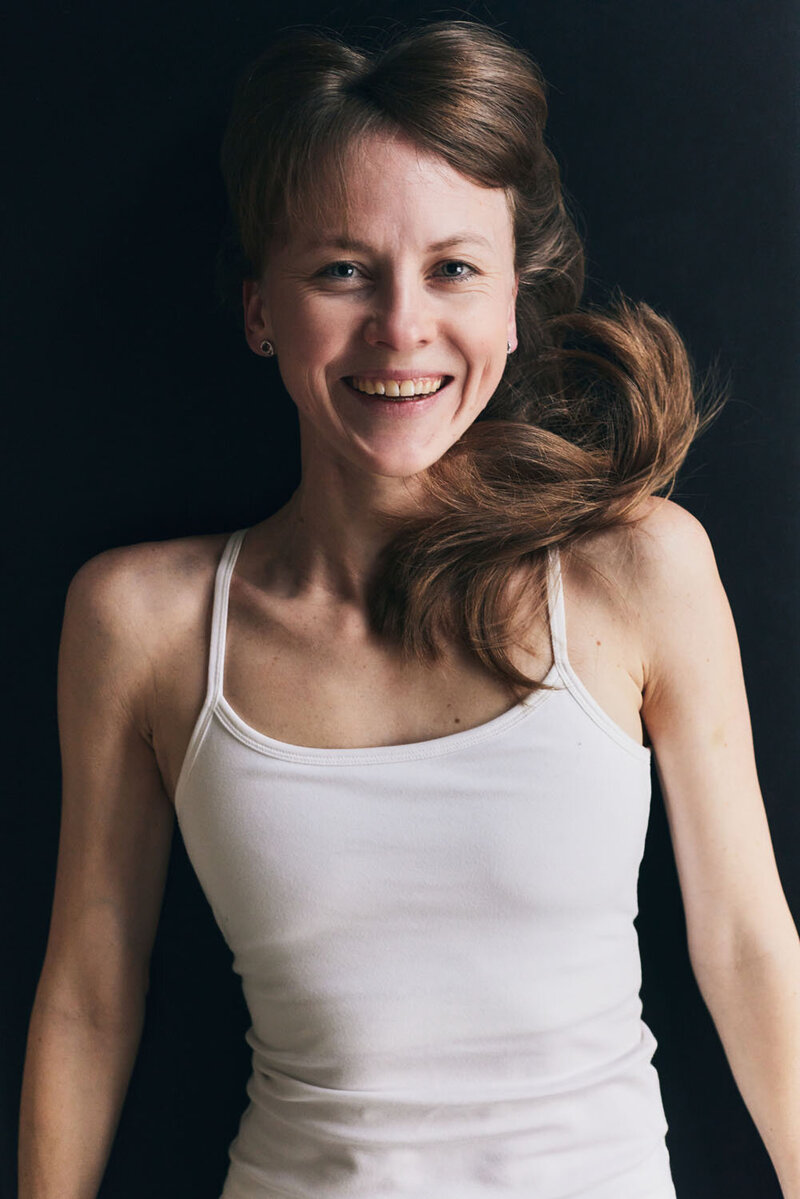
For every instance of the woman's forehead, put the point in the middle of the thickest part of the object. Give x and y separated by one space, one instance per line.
395 158
391 178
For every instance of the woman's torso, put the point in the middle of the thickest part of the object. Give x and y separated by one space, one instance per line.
308 673
435 934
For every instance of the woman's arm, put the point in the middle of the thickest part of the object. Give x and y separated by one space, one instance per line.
115 836
743 943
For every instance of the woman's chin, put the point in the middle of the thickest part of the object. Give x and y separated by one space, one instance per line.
398 462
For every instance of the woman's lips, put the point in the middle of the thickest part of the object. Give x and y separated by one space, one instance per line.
409 405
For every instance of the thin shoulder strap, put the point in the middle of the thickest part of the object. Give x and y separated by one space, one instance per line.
555 607
219 614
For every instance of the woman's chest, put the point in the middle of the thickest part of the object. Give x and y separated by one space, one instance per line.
325 683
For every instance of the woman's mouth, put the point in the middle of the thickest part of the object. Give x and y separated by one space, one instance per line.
407 395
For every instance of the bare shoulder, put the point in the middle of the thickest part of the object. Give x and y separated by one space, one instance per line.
658 554
140 592
127 607
144 573
667 538
673 574
655 576
683 611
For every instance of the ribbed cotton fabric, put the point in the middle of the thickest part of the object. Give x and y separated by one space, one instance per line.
437 949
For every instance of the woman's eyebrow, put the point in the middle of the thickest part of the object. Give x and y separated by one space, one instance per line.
340 242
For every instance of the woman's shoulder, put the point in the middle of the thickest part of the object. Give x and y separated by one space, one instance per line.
664 532
657 572
661 543
148 572
144 594
135 618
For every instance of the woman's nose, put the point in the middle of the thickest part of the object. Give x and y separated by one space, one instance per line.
402 317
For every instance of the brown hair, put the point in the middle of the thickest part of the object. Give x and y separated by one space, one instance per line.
597 408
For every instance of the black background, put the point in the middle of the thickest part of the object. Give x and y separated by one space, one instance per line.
135 411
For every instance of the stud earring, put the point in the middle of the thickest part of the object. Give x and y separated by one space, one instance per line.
267 348
508 347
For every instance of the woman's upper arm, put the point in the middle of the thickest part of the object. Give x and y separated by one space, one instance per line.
116 820
696 713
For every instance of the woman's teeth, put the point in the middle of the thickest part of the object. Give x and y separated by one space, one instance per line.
397 388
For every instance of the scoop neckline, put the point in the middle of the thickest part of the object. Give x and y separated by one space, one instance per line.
407 751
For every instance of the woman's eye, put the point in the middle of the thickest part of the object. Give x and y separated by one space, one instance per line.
332 270
465 272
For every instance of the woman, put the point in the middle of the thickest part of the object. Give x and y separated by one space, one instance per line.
401 721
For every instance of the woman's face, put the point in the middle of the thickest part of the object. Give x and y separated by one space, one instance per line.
421 291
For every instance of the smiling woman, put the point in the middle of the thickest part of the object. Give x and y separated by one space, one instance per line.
406 723
393 311
436 146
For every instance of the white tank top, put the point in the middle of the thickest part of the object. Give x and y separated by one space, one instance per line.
437 949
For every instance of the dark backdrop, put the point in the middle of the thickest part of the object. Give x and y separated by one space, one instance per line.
135 412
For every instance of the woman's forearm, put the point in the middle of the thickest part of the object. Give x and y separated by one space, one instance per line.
74 1083
755 1004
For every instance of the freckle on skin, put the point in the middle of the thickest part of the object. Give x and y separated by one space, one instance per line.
598 643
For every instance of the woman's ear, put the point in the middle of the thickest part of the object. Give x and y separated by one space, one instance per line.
257 323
